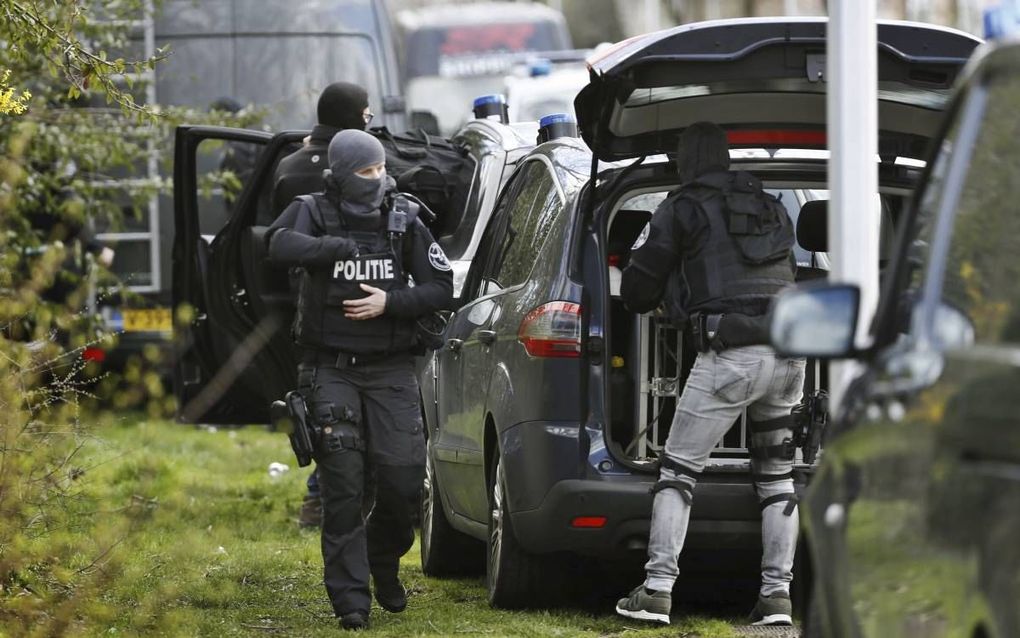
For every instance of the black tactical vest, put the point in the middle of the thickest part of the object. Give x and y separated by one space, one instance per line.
745 259
320 321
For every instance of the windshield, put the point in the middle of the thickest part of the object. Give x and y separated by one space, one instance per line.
476 49
450 99
282 73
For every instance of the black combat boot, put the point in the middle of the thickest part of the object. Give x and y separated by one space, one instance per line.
354 621
390 594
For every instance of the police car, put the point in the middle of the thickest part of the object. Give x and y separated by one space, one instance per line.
543 87
549 404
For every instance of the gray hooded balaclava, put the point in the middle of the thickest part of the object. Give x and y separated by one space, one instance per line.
702 148
351 150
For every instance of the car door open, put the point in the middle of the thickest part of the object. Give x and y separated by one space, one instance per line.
234 355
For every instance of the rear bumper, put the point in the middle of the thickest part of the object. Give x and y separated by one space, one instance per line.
725 516
545 496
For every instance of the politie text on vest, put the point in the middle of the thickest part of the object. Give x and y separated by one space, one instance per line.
363 269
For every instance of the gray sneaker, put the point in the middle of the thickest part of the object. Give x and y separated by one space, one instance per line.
774 609
642 606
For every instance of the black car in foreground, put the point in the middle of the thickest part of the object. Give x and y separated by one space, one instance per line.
549 402
914 515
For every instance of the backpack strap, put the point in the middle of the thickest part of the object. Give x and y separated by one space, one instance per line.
332 224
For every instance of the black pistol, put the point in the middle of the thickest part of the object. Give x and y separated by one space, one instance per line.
811 416
291 416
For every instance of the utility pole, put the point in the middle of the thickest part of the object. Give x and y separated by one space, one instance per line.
852 115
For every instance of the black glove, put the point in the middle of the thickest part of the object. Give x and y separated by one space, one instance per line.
341 247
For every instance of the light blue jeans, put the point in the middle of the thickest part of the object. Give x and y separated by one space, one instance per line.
719 387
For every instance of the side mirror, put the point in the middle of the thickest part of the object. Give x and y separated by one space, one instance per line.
953 329
816 321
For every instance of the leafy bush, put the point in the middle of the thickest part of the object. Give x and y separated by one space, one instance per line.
72 139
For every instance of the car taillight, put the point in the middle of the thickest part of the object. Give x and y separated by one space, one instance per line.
776 137
589 522
552 330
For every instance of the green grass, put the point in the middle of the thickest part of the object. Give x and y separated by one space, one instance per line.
212 549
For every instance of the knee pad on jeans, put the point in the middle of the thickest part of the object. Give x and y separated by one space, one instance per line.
677 476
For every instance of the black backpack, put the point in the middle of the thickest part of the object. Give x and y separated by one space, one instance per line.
757 221
432 169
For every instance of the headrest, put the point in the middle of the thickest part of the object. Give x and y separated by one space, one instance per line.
627 225
813 226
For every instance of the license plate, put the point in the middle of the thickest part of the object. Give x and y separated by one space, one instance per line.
147 320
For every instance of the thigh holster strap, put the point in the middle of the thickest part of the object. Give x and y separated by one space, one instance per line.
679 468
332 413
784 451
680 486
782 423
790 499
342 436
770 478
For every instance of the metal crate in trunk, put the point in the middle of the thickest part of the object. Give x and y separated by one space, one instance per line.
663 362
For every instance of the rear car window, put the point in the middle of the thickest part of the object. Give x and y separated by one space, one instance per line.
526 226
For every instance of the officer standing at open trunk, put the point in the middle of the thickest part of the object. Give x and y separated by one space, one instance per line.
356 320
718 250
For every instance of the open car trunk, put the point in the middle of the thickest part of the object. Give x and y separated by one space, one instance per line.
762 80
649 358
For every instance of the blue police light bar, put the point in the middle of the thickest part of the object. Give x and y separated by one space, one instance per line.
491 106
488 99
556 118
556 125
540 67
1002 20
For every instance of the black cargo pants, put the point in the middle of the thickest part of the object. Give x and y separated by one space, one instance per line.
365 409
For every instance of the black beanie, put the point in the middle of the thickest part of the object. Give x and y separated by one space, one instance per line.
341 105
702 148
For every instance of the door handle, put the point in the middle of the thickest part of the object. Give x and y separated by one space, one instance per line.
454 344
488 337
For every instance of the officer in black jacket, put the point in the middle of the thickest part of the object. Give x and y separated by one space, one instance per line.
718 250
356 322
341 105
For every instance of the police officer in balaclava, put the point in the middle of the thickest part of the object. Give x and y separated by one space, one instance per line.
341 106
358 246
717 250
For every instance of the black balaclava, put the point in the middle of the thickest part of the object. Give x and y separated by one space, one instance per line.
342 106
349 151
702 148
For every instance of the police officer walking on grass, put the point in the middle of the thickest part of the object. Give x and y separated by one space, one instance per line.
718 250
341 105
356 322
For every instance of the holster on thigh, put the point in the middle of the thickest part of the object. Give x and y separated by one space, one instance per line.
771 449
339 428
